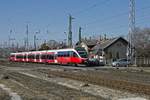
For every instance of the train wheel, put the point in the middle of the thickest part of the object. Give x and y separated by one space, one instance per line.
76 65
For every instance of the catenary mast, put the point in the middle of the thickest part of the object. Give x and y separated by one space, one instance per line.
131 50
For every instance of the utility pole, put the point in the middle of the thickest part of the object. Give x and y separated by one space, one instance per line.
27 38
25 43
10 41
80 37
35 42
17 46
131 51
70 31
36 39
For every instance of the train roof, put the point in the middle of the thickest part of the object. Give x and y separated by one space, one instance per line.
56 50
68 49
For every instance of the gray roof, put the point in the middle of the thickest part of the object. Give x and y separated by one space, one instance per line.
106 43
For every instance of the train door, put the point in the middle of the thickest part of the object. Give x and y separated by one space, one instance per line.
23 58
14 58
34 54
55 57
37 57
50 57
64 57
67 57
43 57
27 59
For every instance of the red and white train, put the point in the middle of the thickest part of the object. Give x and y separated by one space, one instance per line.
61 56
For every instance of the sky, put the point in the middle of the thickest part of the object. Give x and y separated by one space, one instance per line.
50 18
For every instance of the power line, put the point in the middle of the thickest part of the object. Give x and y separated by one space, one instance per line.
27 38
114 16
120 26
91 7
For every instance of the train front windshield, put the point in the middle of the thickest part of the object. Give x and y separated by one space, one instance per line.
82 52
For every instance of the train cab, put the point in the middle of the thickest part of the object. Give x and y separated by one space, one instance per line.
12 57
71 56
83 54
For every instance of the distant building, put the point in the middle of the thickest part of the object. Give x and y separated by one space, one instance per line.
111 49
88 44
53 44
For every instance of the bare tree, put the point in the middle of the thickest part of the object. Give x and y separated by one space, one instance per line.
141 40
52 44
44 47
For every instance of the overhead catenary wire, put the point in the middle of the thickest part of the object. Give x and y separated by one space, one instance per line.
116 28
112 22
114 16
90 7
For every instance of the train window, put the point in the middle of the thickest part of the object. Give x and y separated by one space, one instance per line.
31 56
67 54
25 56
28 56
19 56
50 57
74 54
63 54
43 56
37 57
12 56
60 54
82 52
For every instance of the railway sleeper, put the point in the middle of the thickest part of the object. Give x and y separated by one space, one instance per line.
117 84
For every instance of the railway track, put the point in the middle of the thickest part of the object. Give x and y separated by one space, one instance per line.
38 89
100 79
134 87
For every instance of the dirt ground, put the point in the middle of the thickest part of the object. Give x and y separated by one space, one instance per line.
4 95
30 88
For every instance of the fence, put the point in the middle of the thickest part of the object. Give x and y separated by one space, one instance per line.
143 61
